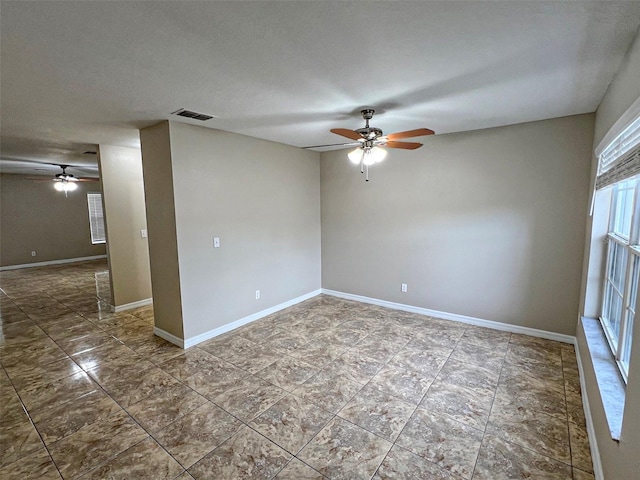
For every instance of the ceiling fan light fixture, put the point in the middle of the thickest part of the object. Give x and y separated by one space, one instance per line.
65 186
356 155
377 154
368 159
370 138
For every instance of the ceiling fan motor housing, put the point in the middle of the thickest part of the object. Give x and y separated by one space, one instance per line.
369 133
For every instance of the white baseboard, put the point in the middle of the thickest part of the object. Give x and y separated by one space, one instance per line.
52 262
506 327
132 305
591 432
169 337
190 342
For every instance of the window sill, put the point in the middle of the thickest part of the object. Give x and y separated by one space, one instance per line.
610 383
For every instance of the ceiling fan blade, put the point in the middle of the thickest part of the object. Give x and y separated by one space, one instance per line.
38 179
352 144
345 132
87 179
404 145
419 132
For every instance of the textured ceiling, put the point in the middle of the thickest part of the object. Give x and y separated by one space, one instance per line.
82 73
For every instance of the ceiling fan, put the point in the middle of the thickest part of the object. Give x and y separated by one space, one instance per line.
369 140
63 182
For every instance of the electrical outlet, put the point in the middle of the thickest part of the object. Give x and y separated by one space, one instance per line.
404 288
257 294
33 253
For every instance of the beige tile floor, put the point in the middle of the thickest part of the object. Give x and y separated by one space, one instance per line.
326 389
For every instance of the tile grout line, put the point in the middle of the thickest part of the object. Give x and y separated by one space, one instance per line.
246 424
24 407
495 394
291 393
393 444
34 427
540 412
101 388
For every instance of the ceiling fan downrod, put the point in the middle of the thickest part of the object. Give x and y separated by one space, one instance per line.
368 132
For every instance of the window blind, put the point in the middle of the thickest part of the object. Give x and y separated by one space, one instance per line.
621 158
96 218
627 166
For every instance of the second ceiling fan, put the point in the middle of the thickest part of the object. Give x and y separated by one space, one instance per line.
63 182
369 140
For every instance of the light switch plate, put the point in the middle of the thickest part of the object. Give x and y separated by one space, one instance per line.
143 233
216 242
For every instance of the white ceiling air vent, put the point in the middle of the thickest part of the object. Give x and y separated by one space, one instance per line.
191 114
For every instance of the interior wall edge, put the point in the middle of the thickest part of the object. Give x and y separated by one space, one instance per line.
52 262
169 337
479 322
227 327
132 305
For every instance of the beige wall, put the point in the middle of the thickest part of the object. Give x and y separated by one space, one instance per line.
161 221
124 212
34 216
262 199
619 460
488 224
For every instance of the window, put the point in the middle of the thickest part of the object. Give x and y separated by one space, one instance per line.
619 168
96 219
620 160
622 270
623 143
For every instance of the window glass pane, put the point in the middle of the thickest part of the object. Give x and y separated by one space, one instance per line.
606 308
612 260
614 319
626 347
633 289
609 293
623 208
613 307
612 312
620 267
633 295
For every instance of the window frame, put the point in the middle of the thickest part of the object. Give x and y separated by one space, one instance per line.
631 247
92 215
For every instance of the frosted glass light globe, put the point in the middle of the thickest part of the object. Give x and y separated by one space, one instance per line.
356 155
377 154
